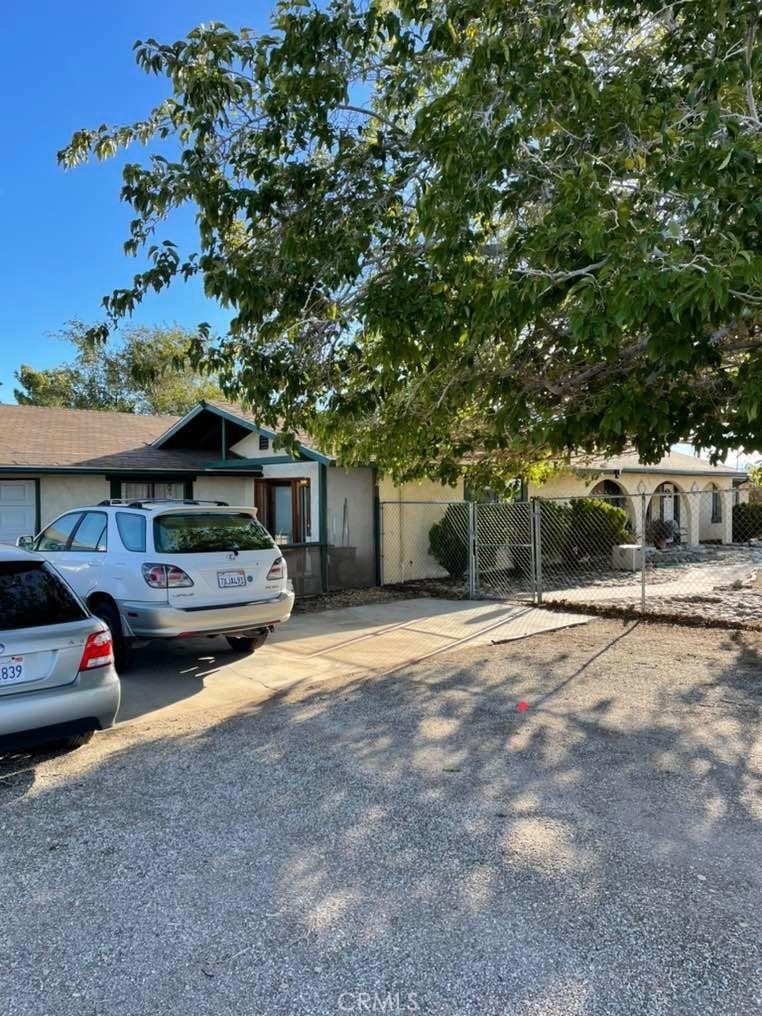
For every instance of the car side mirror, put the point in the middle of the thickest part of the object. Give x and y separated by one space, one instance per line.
25 542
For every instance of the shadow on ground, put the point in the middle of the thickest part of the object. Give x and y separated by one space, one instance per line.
414 835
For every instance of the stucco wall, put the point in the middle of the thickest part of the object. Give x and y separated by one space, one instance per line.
421 490
60 493
236 490
407 515
353 490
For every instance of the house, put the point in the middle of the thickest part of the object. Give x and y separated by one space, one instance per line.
691 492
326 518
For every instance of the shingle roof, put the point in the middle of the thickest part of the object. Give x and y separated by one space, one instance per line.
673 462
51 436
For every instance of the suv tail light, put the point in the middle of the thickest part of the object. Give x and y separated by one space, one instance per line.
277 570
165 576
98 652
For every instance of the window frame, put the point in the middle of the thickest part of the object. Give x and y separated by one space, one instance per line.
88 550
301 505
141 519
65 549
716 517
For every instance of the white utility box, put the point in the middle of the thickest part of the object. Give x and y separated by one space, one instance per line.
627 557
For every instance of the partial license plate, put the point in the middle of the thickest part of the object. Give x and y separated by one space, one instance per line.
12 670
226 579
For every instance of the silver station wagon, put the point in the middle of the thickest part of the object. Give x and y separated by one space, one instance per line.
57 676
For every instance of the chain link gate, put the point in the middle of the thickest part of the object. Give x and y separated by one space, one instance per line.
664 552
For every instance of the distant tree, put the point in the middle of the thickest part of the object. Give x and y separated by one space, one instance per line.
755 475
147 371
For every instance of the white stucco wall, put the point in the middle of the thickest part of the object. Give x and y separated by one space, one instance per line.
236 490
60 493
248 447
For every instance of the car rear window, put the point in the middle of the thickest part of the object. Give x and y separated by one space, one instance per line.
202 532
32 595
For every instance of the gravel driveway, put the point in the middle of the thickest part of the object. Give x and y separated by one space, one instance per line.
408 843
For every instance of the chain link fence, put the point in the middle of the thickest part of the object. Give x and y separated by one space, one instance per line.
664 552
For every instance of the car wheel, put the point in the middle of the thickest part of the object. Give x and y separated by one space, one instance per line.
107 613
247 643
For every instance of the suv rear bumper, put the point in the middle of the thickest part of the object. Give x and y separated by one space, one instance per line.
159 620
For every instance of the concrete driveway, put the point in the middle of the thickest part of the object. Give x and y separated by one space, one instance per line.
204 675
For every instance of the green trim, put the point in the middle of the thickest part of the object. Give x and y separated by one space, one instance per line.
323 525
37 505
376 528
272 460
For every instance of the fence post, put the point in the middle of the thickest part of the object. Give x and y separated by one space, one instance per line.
471 550
537 548
643 552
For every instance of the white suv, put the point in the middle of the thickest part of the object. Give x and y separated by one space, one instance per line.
171 569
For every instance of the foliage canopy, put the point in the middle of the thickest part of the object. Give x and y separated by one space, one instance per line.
467 228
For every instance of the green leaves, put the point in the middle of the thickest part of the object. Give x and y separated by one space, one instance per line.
488 231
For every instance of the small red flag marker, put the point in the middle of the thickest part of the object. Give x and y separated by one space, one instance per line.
523 706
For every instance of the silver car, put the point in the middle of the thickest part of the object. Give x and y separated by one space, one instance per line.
57 676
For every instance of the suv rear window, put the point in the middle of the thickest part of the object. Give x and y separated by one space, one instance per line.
32 595
202 532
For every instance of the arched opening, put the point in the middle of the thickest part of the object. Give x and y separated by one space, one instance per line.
666 516
615 494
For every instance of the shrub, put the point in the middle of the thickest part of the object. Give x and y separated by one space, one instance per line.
593 528
448 540
747 522
661 531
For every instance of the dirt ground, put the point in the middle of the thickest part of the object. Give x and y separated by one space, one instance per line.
414 835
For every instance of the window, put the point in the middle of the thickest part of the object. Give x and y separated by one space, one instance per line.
264 443
132 529
56 537
716 504
91 534
202 532
32 595
284 508
135 491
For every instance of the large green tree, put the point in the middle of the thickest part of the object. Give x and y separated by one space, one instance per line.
147 370
467 228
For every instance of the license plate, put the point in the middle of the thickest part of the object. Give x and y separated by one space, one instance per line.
11 670
226 579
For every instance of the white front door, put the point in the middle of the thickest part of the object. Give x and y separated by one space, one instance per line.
16 509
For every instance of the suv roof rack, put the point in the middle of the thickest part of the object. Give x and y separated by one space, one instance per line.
142 502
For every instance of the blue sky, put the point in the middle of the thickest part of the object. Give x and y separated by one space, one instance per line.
66 66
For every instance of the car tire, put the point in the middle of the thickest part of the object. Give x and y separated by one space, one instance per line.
107 613
247 643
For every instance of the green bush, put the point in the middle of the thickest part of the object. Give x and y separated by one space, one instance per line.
594 527
747 522
448 540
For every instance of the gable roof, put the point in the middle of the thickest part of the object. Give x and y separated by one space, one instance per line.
673 462
240 416
91 440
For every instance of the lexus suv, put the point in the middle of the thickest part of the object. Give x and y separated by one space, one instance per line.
158 569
